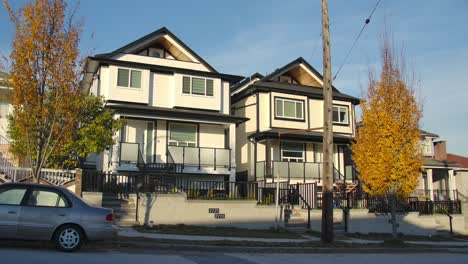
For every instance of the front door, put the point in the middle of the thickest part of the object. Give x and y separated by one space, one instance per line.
43 211
10 209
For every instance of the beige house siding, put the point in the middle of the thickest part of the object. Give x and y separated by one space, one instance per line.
163 62
211 136
163 90
264 101
245 149
461 181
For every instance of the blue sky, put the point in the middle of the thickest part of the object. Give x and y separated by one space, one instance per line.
243 37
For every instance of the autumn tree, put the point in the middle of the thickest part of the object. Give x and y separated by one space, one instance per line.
45 73
386 151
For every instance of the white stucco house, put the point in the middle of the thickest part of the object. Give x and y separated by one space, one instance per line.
175 105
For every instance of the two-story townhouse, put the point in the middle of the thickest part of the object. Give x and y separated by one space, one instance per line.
283 136
175 105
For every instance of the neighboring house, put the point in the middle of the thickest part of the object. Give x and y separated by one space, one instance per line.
4 105
461 175
175 105
438 173
283 136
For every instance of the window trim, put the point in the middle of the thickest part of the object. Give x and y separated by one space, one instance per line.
183 123
336 123
191 86
302 159
130 70
275 98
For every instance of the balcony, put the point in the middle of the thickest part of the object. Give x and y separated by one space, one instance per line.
201 159
179 159
294 171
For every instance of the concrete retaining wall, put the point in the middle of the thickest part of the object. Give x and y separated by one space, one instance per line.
94 198
171 209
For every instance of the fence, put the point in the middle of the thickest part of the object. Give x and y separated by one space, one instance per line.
53 176
382 204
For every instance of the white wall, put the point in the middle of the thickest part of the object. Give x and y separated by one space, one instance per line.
162 62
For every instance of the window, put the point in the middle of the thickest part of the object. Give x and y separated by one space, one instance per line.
157 53
340 115
427 147
4 108
184 135
129 78
291 109
12 196
46 198
198 86
292 151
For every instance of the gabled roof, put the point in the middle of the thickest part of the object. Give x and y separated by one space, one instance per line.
246 80
267 83
155 35
428 134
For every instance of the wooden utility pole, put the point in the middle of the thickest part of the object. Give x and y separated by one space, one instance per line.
327 234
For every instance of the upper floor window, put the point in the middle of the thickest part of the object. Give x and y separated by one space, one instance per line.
129 78
4 108
198 86
427 147
340 115
290 109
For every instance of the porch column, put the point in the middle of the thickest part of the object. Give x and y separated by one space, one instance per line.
451 184
232 146
268 157
430 185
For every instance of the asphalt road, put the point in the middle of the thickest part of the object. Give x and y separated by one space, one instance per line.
19 255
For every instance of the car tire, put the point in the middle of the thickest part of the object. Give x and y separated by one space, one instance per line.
68 238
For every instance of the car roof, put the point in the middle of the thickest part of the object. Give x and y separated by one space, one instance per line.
28 185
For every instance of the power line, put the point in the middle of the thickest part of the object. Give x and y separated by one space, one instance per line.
366 22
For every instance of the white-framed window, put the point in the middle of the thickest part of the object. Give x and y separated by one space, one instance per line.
4 108
340 114
198 86
292 151
128 78
427 147
156 52
288 108
182 134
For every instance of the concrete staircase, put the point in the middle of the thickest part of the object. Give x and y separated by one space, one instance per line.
124 207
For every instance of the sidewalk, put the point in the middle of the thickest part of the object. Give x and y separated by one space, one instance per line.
132 233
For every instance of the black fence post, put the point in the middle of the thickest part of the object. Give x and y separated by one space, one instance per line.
199 158
183 157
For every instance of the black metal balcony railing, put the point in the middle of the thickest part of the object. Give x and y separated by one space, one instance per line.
201 157
294 170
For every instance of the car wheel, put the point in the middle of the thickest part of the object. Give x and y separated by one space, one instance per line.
68 238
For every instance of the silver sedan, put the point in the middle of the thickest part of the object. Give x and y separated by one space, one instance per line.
44 212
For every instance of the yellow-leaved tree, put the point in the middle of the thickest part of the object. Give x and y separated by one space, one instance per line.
386 152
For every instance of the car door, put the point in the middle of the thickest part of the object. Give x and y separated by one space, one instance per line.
10 209
44 209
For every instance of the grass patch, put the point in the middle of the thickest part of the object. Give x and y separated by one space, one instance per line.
216 231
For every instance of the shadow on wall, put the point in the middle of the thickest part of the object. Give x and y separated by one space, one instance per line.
172 209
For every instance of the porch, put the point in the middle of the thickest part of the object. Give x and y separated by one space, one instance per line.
171 146
437 182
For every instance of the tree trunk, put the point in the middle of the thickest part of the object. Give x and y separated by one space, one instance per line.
393 205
